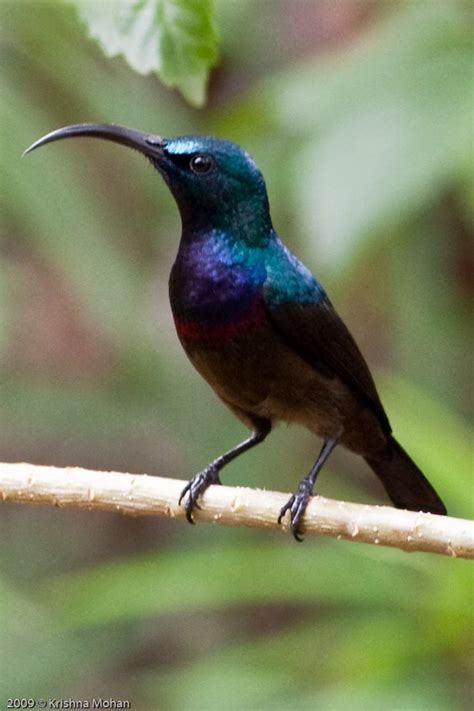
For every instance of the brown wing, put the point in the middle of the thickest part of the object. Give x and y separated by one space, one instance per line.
320 336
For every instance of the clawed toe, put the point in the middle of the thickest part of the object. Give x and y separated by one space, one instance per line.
285 508
296 505
195 487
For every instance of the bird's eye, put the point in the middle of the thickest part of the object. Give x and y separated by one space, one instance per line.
201 163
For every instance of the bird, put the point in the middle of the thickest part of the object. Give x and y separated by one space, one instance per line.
258 326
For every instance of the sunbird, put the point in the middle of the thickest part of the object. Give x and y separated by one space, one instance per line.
258 326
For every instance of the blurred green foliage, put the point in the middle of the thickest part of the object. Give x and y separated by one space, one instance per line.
359 115
176 39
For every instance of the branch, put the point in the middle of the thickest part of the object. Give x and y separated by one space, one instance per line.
154 496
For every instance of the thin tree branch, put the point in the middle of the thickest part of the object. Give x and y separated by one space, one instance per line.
154 496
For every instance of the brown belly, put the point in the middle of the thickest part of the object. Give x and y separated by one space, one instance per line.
257 373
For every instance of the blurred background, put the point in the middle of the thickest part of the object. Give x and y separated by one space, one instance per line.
359 114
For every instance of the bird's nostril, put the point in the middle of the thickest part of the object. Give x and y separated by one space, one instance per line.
154 140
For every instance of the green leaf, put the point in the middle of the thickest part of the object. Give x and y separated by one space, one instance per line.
151 585
176 39
281 668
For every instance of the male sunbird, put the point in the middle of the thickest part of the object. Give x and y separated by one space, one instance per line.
258 326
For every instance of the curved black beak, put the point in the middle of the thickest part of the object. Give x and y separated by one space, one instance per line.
147 144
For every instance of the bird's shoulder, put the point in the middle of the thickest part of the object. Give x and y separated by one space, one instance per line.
288 280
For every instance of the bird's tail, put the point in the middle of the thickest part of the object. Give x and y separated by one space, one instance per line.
405 484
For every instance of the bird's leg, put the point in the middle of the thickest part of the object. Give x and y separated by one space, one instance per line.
298 502
210 475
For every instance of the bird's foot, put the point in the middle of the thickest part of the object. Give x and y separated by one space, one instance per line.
197 486
296 505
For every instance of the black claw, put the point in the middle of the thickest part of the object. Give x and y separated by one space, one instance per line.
195 487
297 536
296 505
183 493
189 513
286 507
